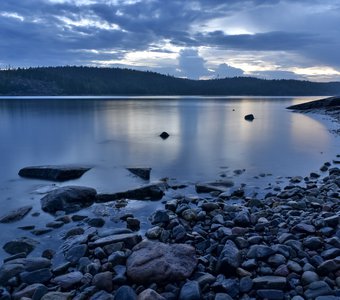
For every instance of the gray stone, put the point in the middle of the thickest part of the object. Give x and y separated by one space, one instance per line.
68 280
27 292
143 173
270 282
150 294
329 266
303 228
158 262
68 199
154 191
103 281
16 215
309 277
75 253
37 276
159 216
190 291
229 259
96 222
57 296
318 288
214 186
129 239
242 219
313 243
16 266
271 294
260 251
222 296
154 232
20 245
55 173
125 292
246 284
102 295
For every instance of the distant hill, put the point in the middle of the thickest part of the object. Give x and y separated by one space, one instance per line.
61 81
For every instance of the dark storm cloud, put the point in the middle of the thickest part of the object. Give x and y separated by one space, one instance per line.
46 32
269 41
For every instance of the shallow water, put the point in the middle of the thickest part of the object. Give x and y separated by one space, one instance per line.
208 138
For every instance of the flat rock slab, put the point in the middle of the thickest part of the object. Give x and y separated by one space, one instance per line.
270 282
68 199
143 173
16 266
160 263
214 186
15 215
323 103
129 239
55 173
154 191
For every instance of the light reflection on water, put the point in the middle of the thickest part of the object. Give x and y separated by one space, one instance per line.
206 134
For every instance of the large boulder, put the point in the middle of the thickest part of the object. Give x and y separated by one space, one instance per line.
15 215
68 199
55 173
160 263
154 191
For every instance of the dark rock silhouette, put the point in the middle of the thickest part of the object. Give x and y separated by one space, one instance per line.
143 173
164 135
249 117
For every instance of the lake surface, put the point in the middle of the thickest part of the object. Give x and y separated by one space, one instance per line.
208 138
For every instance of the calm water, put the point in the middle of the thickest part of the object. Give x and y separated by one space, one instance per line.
208 137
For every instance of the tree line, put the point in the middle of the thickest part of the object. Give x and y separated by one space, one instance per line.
72 80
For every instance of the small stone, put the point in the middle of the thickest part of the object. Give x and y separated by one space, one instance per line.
96 222
103 281
309 277
37 276
68 280
125 292
260 251
318 288
271 294
133 223
15 215
159 216
246 284
75 253
154 232
190 291
270 282
57 296
150 294
249 117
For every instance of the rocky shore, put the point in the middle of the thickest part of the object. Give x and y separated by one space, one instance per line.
217 244
329 106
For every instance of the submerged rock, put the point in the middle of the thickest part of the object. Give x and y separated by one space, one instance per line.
160 263
56 173
68 199
143 173
15 215
20 245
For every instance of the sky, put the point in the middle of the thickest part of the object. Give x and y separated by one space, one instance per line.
196 39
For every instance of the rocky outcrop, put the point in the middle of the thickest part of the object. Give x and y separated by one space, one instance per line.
55 173
154 191
68 199
327 103
160 263
15 215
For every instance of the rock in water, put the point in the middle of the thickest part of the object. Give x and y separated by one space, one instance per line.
143 173
20 245
249 117
153 191
15 215
68 198
56 173
160 263
164 135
